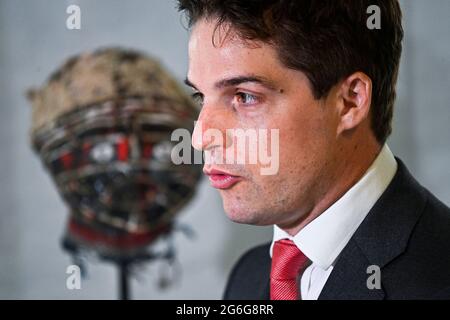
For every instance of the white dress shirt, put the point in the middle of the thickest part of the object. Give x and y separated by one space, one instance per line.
323 239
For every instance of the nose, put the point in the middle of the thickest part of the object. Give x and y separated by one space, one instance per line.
209 130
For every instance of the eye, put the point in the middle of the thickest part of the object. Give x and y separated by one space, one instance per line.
246 99
198 98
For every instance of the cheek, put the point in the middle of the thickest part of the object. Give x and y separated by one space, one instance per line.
296 143
304 146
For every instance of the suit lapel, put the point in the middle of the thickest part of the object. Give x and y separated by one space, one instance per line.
348 280
381 237
265 292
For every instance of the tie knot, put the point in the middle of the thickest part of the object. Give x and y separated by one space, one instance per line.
287 260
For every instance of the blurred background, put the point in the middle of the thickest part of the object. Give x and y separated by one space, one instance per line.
34 41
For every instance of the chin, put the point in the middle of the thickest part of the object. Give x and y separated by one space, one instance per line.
240 213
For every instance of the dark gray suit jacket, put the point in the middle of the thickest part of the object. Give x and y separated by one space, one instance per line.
406 234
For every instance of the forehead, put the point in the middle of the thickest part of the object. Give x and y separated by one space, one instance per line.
220 53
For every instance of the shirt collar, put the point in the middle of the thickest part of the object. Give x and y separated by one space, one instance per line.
323 239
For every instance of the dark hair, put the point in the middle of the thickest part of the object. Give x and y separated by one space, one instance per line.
326 39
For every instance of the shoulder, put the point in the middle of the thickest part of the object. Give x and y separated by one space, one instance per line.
424 267
432 231
406 234
431 235
250 275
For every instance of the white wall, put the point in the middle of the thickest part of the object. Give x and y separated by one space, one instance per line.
34 41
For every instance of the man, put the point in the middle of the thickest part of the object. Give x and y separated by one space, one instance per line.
350 222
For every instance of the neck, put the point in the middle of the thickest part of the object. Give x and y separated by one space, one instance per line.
350 170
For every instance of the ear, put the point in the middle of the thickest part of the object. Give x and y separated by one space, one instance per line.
355 97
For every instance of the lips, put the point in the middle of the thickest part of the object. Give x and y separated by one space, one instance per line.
222 180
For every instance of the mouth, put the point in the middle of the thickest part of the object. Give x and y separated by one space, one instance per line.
221 179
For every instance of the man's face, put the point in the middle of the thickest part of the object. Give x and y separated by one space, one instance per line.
245 86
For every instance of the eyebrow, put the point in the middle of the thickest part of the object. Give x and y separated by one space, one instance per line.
234 81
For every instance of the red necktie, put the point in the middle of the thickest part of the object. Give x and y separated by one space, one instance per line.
288 262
